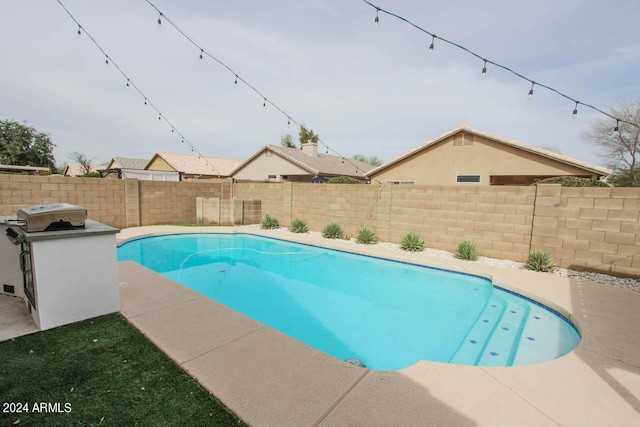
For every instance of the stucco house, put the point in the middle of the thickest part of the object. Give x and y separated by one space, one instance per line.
129 168
75 169
467 156
193 166
127 163
277 163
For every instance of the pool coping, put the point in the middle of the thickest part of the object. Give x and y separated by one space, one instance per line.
268 378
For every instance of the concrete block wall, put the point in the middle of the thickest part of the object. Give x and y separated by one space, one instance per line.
350 205
251 211
103 198
269 193
164 202
595 229
497 219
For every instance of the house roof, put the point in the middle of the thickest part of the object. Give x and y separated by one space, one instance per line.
510 142
75 169
128 163
198 165
322 164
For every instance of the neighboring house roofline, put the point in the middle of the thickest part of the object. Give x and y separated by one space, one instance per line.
270 148
510 142
320 164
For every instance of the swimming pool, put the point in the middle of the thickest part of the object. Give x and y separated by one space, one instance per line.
387 314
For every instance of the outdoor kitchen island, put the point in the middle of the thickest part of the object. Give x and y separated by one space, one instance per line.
64 275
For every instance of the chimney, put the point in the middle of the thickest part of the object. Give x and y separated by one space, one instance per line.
310 149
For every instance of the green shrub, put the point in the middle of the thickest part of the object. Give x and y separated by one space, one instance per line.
298 226
412 242
269 222
573 181
344 180
467 251
332 231
540 260
366 236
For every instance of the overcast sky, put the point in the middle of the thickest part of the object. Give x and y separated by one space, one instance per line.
373 91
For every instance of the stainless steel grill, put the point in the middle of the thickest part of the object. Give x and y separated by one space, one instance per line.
58 216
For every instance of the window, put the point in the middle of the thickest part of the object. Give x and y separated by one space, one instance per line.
467 178
271 177
284 177
401 182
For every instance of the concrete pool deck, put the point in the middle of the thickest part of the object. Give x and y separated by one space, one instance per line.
270 379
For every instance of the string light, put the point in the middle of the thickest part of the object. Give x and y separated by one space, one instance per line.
575 111
237 77
487 61
484 69
79 31
236 81
616 129
106 61
160 20
531 90
432 45
132 84
201 51
377 19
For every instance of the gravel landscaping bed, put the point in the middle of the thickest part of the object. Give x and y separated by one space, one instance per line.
621 282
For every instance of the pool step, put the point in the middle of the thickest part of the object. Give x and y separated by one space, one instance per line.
474 343
502 345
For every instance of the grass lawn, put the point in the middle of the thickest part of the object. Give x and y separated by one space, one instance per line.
101 371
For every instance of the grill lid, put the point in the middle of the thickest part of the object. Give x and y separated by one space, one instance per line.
58 216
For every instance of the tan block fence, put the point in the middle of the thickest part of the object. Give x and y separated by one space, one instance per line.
596 229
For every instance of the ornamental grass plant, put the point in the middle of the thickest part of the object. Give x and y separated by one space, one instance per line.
332 231
467 250
366 236
412 242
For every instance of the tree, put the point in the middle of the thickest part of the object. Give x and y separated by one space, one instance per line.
23 145
287 141
620 150
82 160
307 136
372 160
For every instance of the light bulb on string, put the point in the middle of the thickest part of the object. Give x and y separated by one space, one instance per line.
235 82
145 101
264 103
377 19
575 111
79 33
484 68
172 130
289 122
106 61
343 160
159 117
616 129
160 20
432 45
201 53
531 90
128 85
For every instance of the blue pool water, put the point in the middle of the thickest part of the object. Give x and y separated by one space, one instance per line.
387 314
